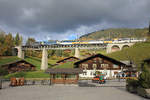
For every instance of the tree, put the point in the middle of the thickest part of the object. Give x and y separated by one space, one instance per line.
18 40
2 39
144 78
30 41
8 44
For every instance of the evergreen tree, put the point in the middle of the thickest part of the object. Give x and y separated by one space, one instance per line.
18 40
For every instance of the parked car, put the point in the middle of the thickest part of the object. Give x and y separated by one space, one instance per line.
99 79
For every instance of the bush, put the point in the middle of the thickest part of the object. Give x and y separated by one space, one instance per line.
132 82
144 78
132 85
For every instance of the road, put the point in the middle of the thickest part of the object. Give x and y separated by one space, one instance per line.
65 92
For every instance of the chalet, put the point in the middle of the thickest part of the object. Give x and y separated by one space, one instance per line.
17 66
100 63
69 59
64 75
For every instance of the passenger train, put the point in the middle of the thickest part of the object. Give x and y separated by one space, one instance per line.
67 42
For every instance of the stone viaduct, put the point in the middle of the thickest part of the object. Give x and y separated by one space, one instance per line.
44 63
117 46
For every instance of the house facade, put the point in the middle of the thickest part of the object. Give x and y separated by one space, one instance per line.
100 63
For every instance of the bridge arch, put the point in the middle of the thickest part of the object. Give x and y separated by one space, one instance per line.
125 46
115 48
14 51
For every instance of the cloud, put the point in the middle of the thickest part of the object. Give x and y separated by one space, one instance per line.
63 18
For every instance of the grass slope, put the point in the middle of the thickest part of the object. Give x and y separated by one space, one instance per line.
116 33
34 74
37 62
9 59
137 53
65 65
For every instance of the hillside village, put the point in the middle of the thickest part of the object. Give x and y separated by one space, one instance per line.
72 66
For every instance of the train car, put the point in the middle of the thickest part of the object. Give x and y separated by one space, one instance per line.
96 42
48 42
108 41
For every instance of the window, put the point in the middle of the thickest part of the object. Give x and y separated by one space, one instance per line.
57 76
94 66
104 65
100 60
91 73
84 66
84 73
71 76
115 66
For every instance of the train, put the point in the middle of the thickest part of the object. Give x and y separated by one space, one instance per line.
107 41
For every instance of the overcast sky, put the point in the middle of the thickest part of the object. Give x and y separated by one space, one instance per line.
64 19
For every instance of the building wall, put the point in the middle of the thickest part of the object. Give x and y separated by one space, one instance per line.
90 73
99 64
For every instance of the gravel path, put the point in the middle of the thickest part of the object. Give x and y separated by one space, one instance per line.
59 92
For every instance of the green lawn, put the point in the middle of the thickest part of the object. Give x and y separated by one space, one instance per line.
33 74
5 60
52 61
37 62
65 65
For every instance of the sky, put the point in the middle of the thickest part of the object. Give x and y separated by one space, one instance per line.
67 19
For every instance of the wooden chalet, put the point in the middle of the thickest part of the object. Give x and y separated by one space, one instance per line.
68 59
17 66
64 75
109 66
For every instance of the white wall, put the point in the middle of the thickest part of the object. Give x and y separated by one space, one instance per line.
90 73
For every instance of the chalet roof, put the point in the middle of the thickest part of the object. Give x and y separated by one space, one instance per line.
128 63
101 56
17 61
64 70
67 59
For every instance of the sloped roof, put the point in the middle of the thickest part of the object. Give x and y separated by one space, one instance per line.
67 59
101 56
17 61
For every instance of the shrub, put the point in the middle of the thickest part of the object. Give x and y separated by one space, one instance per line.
133 83
144 78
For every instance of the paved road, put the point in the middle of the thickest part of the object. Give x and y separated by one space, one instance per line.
61 92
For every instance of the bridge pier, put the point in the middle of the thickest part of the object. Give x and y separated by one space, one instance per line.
20 52
44 63
77 53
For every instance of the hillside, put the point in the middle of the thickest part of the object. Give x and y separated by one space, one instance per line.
115 33
137 53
